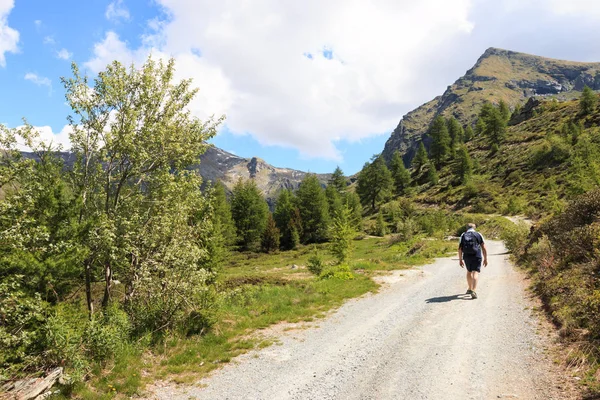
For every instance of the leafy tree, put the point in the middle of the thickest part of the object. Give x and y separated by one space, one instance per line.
420 159
456 132
287 219
464 169
380 226
342 233
338 180
375 183
270 236
399 172
440 145
314 210
468 133
249 210
222 215
134 138
588 101
491 123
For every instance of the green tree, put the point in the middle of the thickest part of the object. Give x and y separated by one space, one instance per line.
468 133
420 159
456 132
352 201
399 172
504 110
338 180
440 141
287 219
432 174
334 201
134 137
270 236
342 233
380 226
588 101
374 183
464 165
314 210
249 210
491 123
222 215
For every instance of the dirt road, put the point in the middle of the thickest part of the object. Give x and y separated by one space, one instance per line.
419 338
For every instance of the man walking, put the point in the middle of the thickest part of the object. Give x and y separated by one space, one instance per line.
471 252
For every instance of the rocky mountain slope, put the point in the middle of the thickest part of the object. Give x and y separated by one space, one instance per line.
219 165
497 75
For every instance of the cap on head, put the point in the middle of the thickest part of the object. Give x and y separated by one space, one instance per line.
471 225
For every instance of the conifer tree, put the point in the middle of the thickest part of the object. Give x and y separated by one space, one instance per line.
222 215
342 233
491 123
314 210
456 133
380 227
432 174
504 110
338 180
588 101
468 133
352 201
464 168
375 183
249 210
440 144
270 236
399 172
334 200
287 219
420 159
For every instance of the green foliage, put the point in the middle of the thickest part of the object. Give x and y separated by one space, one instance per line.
341 272
380 225
515 237
222 215
249 210
352 201
315 263
342 233
588 101
287 218
553 151
375 183
314 210
420 159
492 123
468 133
338 180
457 134
400 174
334 201
432 175
440 144
504 110
270 236
464 165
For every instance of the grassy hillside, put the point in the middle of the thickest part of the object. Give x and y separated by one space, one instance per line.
536 170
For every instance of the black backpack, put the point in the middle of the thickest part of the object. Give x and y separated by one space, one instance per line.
470 243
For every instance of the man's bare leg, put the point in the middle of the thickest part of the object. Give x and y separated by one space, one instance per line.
469 280
473 281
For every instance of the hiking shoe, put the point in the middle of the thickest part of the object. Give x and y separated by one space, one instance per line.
469 291
473 295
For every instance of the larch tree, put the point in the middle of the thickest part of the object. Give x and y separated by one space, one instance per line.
440 141
375 183
249 210
314 210
399 172
420 159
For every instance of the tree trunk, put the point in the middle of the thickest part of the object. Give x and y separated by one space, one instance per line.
107 285
88 288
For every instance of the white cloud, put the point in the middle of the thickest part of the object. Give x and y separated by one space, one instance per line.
49 40
38 80
47 136
9 37
38 23
116 10
64 54
588 8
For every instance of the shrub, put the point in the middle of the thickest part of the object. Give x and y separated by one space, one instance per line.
515 238
107 333
341 272
315 263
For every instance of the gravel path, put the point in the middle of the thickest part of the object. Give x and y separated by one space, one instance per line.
419 338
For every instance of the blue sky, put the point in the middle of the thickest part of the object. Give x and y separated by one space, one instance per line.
306 85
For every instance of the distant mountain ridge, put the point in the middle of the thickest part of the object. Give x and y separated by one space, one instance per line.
498 75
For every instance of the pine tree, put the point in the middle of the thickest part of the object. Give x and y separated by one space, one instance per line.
588 101
504 110
270 236
440 144
342 233
334 201
375 183
432 174
491 123
399 172
420 159
464 168
287 219
338 180
249 210
352 201
468 134
222 215
456 133
314 210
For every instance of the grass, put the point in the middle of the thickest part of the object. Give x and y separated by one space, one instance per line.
257 291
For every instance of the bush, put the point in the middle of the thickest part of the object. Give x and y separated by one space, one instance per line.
341 272
315 263
107 333
515 238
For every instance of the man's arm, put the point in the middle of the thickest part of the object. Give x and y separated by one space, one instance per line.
485 262
460 258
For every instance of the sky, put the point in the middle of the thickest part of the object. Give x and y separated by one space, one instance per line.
309 85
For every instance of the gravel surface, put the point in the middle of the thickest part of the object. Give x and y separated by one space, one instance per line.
419 338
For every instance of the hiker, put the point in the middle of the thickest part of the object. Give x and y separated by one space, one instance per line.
471 247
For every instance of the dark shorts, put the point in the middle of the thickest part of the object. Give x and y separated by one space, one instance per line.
473 264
